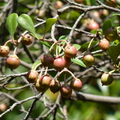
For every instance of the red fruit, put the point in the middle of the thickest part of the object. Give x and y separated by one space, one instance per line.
93 25
70 51
67 61
89 60
4 51
104 44
55 86
47 60
12 62
66 91
58 4
106 79
76 84
111 34
32 76
27 39
45 81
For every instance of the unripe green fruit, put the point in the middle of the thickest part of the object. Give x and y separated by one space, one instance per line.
106 79
66 91
4 51
55 86
12 62
32 76
76 84
89 60
27 39
70 51
104 44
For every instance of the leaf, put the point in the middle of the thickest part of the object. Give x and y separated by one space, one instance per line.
36 64
107 24
77 46
26 22
78 61
114 14
114 52
46 44
49 23
11 23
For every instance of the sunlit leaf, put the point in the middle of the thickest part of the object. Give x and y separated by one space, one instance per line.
36 64
77 46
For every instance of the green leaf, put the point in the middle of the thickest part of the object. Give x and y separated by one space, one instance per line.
107 24
11 23
114 52
77 46
46 44
49 23
114 14
26 22
78 61
36 64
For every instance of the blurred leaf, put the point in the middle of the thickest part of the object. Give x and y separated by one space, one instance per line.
26 22
107 24
114 52
114 14
78 61
49 23
46 44
77 46
36 64
63 37
11 23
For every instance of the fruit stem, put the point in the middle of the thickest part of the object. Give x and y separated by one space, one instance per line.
37 66
90 44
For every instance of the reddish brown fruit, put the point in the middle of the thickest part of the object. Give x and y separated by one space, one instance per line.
12 62
55 86
70 51
89 60
76 84
3 107
32 76
66 91
4 51
104 44
93 25
67 61
47 60
58 4
27 39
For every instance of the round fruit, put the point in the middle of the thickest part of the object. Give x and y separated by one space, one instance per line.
106 79
93 25
67 61
58 4
45 81
89 60
55 86
111 34
12 62
66 91
32 76
3 107
4 51
70 51
47 60
27 39
76 84
104 44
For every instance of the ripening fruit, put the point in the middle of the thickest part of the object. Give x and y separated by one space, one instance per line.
55 86
47 60
40 13
67 61
111 34
58 4
27 39
66 91
45 81
12 62
76 84
93 25
104 44
70 51
89 60
32 76
106 79
4 51
3 107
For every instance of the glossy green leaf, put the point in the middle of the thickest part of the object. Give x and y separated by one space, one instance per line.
36 64
46 44
77 46
107 24
26 22
78 61
11 23
114 52
49 23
